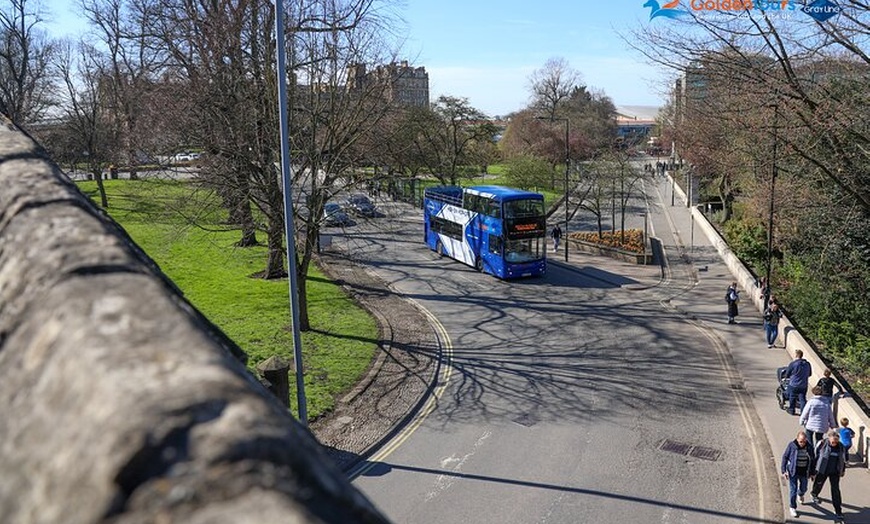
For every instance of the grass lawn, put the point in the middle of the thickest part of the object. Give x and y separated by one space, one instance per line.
181 228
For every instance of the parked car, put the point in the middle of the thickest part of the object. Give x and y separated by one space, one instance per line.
186 156
360 204
333 215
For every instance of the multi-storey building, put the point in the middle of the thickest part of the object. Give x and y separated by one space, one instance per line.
400 82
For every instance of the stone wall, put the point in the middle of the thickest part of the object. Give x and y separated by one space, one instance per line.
119 402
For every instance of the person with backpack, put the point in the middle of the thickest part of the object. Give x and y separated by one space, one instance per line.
798 373
732 296
772 314
830 466
828 384
797 465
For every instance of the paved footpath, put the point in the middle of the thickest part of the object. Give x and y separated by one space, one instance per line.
689 252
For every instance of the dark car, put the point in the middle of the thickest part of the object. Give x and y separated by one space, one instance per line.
360 204
334 216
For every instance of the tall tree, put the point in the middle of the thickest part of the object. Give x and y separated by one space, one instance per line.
797 124
26 82
223 54
552 86
85 119
134 63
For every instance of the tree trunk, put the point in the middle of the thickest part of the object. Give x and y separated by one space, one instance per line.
302 290
98 176
275 229
244 217
275 242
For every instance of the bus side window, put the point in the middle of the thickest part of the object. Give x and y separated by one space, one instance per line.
495 242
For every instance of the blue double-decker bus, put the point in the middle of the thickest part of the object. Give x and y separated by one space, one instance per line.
495 229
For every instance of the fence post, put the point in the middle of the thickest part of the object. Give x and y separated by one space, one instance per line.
276 371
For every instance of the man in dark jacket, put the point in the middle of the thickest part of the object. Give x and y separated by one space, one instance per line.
798 465
798 374
830 465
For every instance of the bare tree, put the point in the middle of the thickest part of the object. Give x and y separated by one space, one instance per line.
222 54
552 86
26 82
816 73
133 61
447 136
85 119
332 118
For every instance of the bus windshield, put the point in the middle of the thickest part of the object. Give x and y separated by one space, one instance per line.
523 208
525 250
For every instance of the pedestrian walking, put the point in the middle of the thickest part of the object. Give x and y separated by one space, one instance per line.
732 296
771 323
817 417
846 435
797 465
765 291
557 236
828 384
798 373
830 466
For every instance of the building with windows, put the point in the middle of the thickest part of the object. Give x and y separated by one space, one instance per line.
635 124
401 83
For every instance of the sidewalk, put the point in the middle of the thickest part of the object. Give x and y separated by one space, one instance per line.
745 340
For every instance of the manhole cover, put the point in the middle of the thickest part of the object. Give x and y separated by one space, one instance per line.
705 453
526 420
675 447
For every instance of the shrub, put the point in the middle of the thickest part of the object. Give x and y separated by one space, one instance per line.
748 240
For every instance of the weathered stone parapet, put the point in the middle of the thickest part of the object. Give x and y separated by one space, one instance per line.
119 402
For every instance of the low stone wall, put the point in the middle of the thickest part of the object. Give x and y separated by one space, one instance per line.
119 401
793 340
612 252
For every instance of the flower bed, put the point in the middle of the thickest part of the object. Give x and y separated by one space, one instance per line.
609 244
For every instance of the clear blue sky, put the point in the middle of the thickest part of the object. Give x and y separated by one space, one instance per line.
486 50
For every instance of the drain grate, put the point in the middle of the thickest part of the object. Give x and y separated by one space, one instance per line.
681 448
705 453
737 386
675 447
526 420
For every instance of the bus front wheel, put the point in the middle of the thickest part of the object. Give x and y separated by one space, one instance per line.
439 248
478 264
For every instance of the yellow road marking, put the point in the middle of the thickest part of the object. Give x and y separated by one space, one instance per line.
442 383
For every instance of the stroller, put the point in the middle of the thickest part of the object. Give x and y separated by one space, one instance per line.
782 388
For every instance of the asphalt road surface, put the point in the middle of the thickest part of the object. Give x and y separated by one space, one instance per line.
577 397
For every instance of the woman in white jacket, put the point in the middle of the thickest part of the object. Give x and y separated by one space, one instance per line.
817 416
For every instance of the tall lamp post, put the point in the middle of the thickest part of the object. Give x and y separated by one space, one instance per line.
567 168
288 211
766 290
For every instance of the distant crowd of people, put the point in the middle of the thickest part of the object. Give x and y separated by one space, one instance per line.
820 451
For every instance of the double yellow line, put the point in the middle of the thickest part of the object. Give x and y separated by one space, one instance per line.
443 379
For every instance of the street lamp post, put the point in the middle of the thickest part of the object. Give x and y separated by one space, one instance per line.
288 210
567 169
567 164
766 290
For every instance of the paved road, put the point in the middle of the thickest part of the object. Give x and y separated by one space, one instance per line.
578 397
